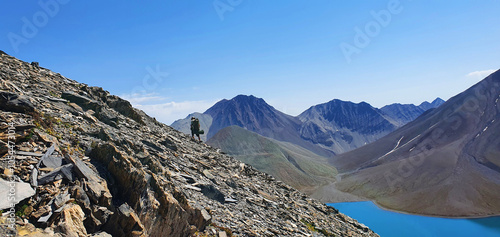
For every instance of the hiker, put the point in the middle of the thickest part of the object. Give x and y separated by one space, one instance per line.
195 128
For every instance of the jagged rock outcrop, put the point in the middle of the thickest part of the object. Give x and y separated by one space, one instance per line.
101 167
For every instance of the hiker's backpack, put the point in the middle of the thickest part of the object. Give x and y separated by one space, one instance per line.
196 124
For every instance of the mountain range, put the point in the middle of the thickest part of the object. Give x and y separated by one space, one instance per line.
295 149
444 163
326 129
405 113
341 126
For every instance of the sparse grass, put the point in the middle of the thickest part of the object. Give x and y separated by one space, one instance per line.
29 136
53 94
42 120
202 234
53 133
312 227
46 122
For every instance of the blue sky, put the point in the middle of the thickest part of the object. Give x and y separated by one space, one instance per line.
171 58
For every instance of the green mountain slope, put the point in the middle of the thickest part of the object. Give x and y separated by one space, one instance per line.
287 162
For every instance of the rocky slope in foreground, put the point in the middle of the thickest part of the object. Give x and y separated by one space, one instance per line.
97 164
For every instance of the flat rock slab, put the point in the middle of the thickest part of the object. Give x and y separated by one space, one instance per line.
193 188
34 177
53 161
47 154
101 234
230 200
208 174
189 179
212 192
83 101
65 171
22 191
25 153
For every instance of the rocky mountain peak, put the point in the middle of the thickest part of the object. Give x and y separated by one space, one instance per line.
251 113
434 104
241 104
437 102
346 114
92 165
248 99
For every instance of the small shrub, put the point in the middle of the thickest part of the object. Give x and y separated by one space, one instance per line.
20 212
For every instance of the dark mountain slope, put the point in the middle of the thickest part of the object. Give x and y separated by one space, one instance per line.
341 126
445 163
253 114
402 114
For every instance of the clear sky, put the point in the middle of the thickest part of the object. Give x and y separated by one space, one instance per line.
171 58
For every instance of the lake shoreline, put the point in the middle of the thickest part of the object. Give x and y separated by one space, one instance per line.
416 214
389 223
438 216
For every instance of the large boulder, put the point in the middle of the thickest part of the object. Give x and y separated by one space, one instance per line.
15 103
83 101
71 223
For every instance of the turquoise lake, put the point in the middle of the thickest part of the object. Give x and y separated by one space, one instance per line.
388 224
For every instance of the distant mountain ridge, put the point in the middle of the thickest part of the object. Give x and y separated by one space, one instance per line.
402 114
255 115
434 104
326 129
